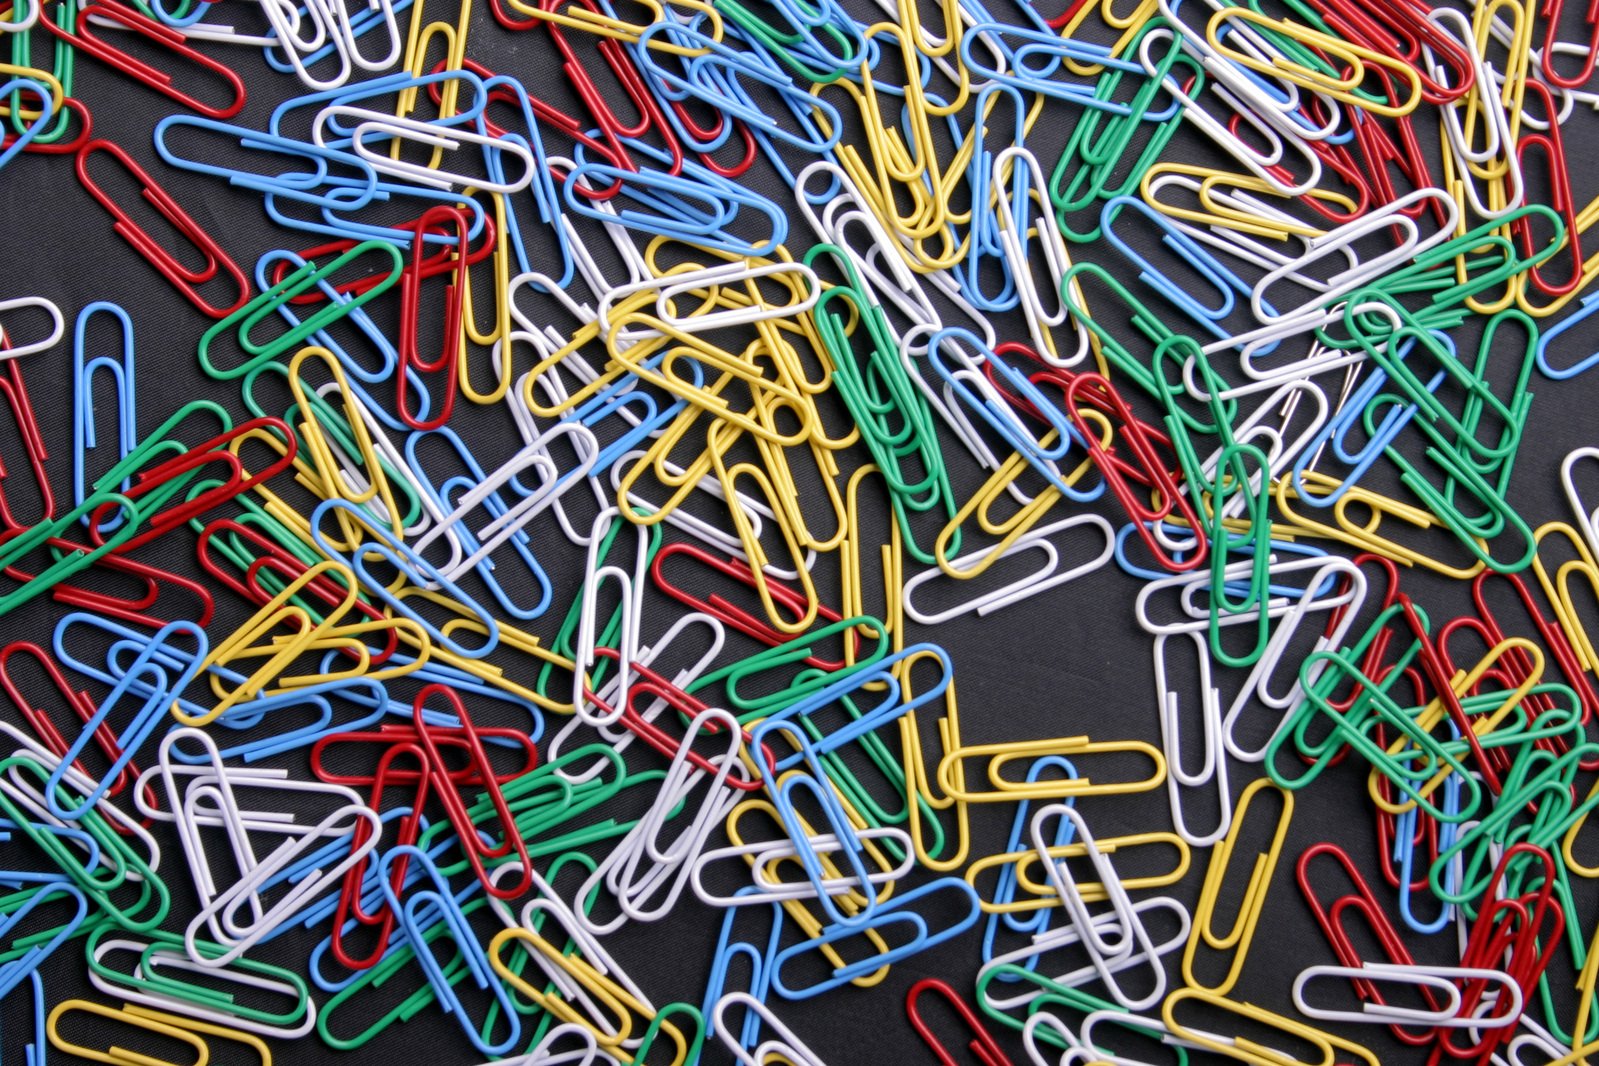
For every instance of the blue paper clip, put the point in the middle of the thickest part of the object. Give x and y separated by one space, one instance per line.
121 371
713 77
377 88
354 192
150 715
1349 416
12 973
697 206
33 1051
813 779
15 87
1405 852
1584 311
891 706
1003 419
1227 284
1034 922
442 902
897 911
760 962
276 297
1037 57
987 250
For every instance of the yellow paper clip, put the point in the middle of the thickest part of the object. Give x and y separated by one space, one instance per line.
1238 938
1005 790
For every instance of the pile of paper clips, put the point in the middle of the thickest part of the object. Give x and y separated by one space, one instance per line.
777 305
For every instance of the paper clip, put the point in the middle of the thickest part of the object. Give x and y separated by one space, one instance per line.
1238 939
371 125
118 14
455 806
981 1043
148 669
899 911
435 895
1361 901
1053 571
121 370
412 364
22 18
1249 1049
763 856
148 985
12 924
16 394
185 280
647 896
1107 943
1213 764
784 1045
1004 790
131 1015
79 701
1440 979
12 347
249 313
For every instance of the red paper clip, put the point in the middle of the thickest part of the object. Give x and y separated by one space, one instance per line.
80 702
1341 161
445 259
1438 678
16 394
161 81
392 734
212 451
1381 156
613 131
456 808
982 1044
1509 934
1550 11
724 611
1145 469
1548 143
400 740
134 609
409 832
186 281
440 218
1402 30
1330 917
